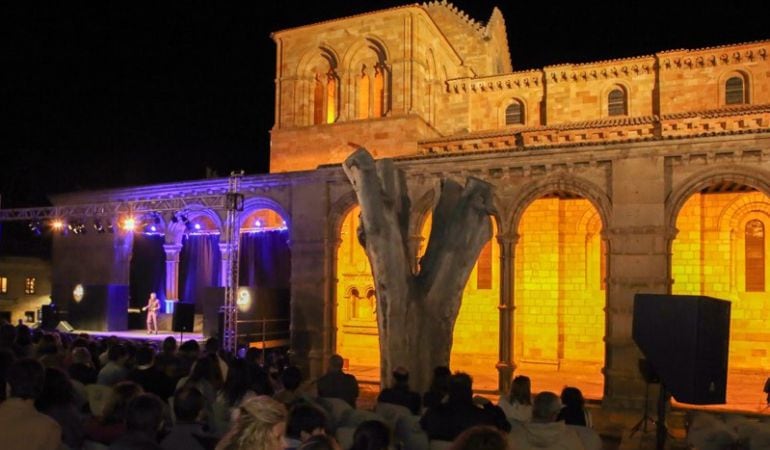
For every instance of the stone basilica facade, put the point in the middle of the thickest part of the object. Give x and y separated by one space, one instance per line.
641 174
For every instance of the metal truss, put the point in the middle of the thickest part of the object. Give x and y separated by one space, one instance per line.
112 209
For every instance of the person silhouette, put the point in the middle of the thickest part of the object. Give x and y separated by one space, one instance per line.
153 305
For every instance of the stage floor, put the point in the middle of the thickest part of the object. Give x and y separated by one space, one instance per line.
142 336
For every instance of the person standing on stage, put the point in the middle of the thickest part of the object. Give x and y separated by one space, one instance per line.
153 305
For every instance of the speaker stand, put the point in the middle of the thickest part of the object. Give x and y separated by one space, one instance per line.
646 418
661 430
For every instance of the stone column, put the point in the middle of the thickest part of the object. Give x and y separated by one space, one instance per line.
505 365
311 307
226 249
638 239
172 271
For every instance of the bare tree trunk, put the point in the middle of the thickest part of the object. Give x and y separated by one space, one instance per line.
416 313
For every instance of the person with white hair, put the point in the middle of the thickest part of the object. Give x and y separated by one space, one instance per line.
544 431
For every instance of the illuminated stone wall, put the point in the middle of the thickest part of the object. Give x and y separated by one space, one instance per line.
475 339
559 318
709 259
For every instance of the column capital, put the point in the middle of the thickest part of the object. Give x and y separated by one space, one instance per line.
171 248
508 238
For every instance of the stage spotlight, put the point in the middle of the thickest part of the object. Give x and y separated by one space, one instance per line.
78 293
35 228
98 227
258 223
110 228
129 224
81 228
153 228
197 227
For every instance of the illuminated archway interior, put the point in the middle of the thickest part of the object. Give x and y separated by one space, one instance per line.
721 251
475 345
559 284
262 220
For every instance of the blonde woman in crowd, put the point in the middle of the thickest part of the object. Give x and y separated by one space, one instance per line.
260 425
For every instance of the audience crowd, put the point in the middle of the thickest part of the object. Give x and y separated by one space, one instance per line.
76 392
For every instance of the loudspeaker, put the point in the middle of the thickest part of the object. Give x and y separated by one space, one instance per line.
184 317
685 339
65 327
49 317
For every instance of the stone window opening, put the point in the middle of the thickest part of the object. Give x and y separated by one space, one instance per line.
617 104
514 113
735 92
3 285
371 91
755 256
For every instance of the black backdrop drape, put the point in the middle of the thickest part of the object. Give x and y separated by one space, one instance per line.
265 260
148 269
199 266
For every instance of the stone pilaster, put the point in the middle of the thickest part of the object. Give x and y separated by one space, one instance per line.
172 270
505 365
638 261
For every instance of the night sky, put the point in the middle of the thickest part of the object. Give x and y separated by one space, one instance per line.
108 94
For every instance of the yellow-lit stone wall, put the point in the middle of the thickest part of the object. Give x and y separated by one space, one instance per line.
692 80
418 60
708 258
449 77
475 339
488 110
579 93
559 317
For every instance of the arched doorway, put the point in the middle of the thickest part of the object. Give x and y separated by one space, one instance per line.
264 279
476 334
560 294
357 337
721 250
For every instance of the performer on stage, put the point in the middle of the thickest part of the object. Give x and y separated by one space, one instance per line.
153 305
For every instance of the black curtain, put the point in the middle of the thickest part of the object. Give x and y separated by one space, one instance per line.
265 260
199 263
148 269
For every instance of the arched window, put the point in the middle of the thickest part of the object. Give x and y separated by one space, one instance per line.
331 98
318 101
616 103
755 256
514 113
378 92
735 93
363 96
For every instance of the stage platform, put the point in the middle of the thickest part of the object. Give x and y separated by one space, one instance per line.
142 336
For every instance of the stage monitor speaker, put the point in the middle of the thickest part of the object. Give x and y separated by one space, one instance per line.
685 338
184 317
65 327
49 317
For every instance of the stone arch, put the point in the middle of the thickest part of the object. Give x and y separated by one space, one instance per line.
604 99
337 213
178 227
593 193
253 204
320 65
747 78
367 63
503 105
738 215
754 178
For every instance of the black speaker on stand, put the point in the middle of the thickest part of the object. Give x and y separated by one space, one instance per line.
650 377
686 339
184 318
